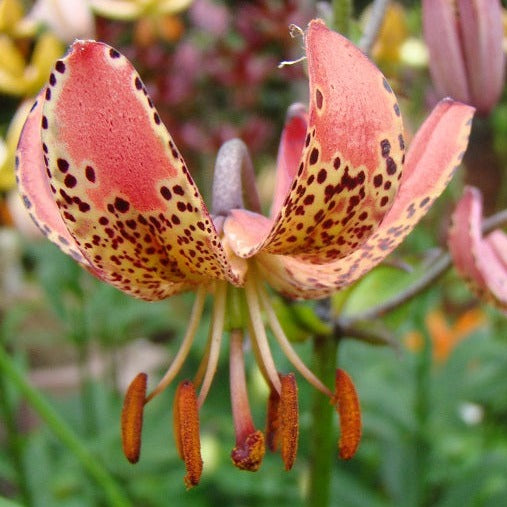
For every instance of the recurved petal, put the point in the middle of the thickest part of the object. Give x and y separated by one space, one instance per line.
498 241
34 186
447 65
481 261
289 154
482 37
351 161
435 153
123 189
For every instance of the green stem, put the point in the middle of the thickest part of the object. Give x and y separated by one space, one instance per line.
342 13
14 443
422 411
86 393
63 431
323 445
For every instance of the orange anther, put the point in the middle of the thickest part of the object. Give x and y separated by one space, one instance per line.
273 421
186 431
289 419
132 417
249 454
347 405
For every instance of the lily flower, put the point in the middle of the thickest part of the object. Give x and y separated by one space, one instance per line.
9 144
130 10
67 19
103 179
22 78
13 21
481 261
464 39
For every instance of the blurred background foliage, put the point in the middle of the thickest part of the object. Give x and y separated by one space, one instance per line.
433 393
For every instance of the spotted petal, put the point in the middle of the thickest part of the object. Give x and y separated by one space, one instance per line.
436 151
481 261
289 153
34 187
123 189
351 162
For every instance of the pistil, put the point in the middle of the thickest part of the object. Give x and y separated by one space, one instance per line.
249 450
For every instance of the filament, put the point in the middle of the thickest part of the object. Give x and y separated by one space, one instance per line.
286 346
259 335
217 328
186 344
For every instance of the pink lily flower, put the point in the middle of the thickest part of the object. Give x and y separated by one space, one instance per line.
103 180
481 261
464 39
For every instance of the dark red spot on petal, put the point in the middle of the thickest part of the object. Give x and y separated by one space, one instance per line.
121 205
321 177
63 165
319 99
70 181
390 166
314 156
90 174
166 193
60 66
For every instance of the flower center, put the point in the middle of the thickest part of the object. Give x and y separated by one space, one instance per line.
239 312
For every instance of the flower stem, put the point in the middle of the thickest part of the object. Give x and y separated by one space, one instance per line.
14 442
63 431
342 13
435 271
323 445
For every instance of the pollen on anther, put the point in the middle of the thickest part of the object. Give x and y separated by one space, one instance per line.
347 405
186 431
289 419
132 417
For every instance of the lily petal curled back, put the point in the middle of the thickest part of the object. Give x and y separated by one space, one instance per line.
482 261
103 179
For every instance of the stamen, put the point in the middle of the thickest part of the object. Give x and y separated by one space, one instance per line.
282 428
349 412
186 344
186 431
249 450
289 420
257 354
217 328
201 370
259 333
273 421
286 346
132 417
